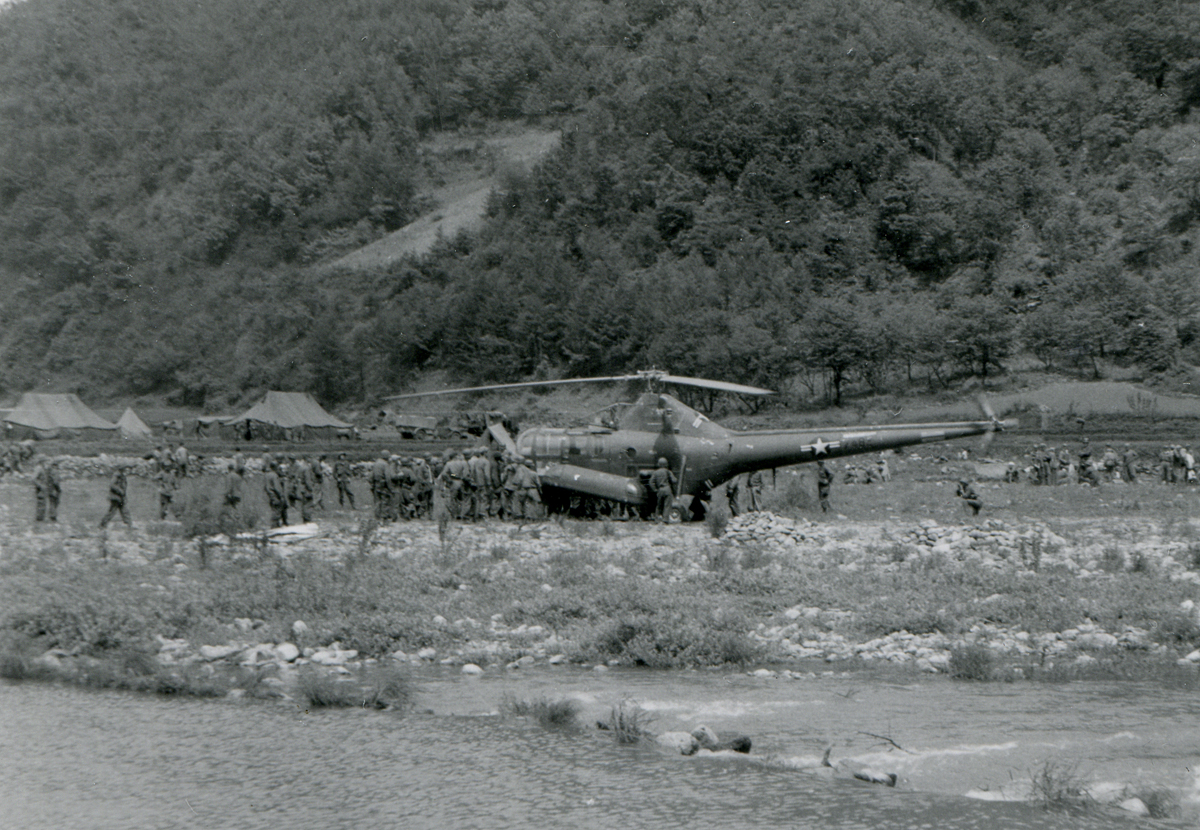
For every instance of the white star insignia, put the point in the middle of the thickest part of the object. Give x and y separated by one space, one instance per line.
820 447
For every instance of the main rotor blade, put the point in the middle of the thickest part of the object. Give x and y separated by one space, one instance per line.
496 386
719 385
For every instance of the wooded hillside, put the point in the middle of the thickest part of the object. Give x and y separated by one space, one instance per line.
833 195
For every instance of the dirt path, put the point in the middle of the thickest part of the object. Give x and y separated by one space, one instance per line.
462 196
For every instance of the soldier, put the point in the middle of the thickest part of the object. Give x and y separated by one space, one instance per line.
481 484
268 460
400 482
234 488
277 495
1166 460
966 492
423 486
116 498
885 472
318 471
1129 461
342 473
754 486
1087 469
508 487
46 492
526 490
824 482
662 484
381 486
166 484
181 460
300 486
1109 462
732 489
454 481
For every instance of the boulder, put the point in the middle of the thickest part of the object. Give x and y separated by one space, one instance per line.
1135 806
287 652
471 668
706 737
218 652
681 742
299 629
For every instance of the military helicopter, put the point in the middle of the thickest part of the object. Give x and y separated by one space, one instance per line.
612 457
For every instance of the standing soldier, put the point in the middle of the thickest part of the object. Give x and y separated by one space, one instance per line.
116 498
824 481
46 492
754 486
342 473
380 487
526 489
508 486
318 470
1129 461
478 485
454 480
181 460
1166 460
732 489
662 484
277 495
305 486
423 487
166 484
400 483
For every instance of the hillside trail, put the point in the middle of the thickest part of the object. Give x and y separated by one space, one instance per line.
464 170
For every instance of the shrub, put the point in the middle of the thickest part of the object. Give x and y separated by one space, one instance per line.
1058 786
551 714
971 662
386 687
628 723
323 690
716 520
1178 628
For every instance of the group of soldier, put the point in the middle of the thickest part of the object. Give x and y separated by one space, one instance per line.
13 454
1050 466
297 483
481 484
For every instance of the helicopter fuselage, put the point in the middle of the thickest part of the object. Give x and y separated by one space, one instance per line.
612 460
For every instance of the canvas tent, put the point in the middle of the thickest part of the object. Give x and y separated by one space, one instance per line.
132 426
53 416
286 415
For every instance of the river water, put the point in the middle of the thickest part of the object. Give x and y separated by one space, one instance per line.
72 758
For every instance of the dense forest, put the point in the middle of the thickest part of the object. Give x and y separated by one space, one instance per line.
830 197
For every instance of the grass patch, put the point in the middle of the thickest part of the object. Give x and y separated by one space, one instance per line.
551 714
1160 803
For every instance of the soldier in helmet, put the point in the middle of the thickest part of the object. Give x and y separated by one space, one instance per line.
117 489
276 493
342 473
732 490
662 484
46 491
824 482
754 487
1129 462
966 492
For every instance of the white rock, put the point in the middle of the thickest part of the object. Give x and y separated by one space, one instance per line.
681 742
218 652
1194 657
427 653
705 736
1135 806
792 613
299 629
1096 639
287 652
555 659
439 620
471 668
600 668
766 673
